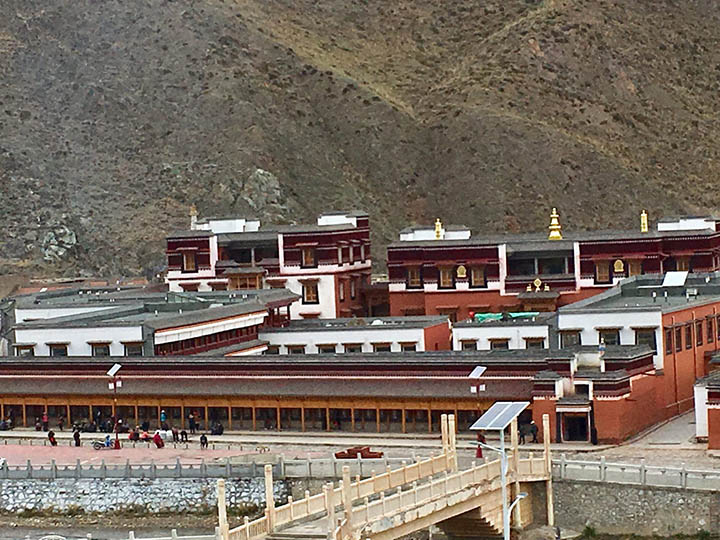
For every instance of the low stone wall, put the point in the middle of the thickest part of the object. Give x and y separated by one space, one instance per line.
152 495
646 511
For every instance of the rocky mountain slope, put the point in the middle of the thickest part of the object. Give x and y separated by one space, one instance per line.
116 116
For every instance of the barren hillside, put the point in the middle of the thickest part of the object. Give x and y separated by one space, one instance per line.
116 116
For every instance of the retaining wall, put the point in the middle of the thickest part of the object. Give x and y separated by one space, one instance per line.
646 511
153 495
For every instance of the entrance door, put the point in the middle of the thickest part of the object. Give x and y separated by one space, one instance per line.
575 427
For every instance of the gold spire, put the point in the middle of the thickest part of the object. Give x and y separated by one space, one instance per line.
193 210
644 222
438 229
193 217
555 226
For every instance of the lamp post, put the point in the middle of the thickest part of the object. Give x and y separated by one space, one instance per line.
503 481
113 385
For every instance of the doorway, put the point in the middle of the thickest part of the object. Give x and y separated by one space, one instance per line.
576 427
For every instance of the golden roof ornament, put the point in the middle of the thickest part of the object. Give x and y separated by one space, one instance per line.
438 229
193 217
644 222
193 210
555 227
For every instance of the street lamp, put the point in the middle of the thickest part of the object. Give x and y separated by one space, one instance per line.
497 418
113 385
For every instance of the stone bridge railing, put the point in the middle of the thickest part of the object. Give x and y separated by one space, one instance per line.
636 474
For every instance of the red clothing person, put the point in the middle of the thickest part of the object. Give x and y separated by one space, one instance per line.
481 439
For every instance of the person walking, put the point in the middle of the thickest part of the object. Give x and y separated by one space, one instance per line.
191 423
76 436
45 421
203 441
479 449
61 423
51 438
175 434
534 431
522 433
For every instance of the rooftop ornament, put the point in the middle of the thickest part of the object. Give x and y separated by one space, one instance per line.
555 227
644 222
438 229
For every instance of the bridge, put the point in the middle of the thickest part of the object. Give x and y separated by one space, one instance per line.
397 502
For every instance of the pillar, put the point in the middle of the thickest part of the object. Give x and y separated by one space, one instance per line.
377 419
402 412
269 497
207 420
24 414
302 418
67 415
254 418
444 433
222 510
330 507
277 412
514 442
452 447
229 418
548 471
347 495
327 418
352 419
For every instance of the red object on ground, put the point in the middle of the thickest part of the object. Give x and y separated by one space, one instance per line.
363 451
157 439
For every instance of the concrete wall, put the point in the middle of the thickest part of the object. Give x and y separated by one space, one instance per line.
619 509
515 333
78 338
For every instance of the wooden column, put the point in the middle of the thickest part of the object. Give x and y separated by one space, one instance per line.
277 412
327 418
352 419
137 415
302 418
24 413
548 471
402 412
222 510
514 442
429 412
69 420
229 418
377 419
207 419
254 418
182 416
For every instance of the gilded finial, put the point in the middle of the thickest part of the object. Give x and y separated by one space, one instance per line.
555 226
529 288
644 222
438 229
193 217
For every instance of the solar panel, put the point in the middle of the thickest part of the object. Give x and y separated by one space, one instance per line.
500 415
675 279
477 372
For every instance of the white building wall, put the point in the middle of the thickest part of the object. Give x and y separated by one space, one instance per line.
626 321
78 338
701 411
326 297
483 334
336 219
366 336
687 224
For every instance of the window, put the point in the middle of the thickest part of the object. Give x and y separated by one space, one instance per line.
328 348
534 343
699 333
341 291
100 349
634 268
352 289
569 338
310 293
24 350
477 276
710 329
668 341
272 349
502 343
602 272
189 262
682 264
522 267
133 349
552 266
408 347
446 278
688 336
352 347
646 336
219 286
58 350
678 339
414 281
450 313
611 336
308 257
381 347
296 349
468 345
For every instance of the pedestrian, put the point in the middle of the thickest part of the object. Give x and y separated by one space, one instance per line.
191 423
521 433
479 450
45 421
534 431
175 434
76 436
163 416
203 441
183 436
38 424
51 438
61 423
157 439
